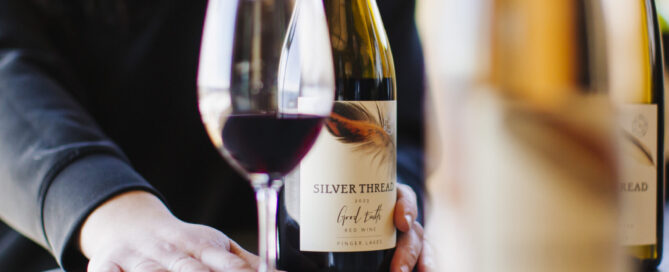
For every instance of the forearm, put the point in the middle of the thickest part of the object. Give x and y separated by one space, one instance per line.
56 165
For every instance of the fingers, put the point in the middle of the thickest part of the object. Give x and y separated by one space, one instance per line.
249 257
409 247
217 252
206 253
147 265
103 267
426 260
410 244
219 259
406 208
137 264
183 262
187 263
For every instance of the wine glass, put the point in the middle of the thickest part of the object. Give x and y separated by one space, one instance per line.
264 89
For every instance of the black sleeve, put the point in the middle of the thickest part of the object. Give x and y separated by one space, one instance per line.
56 165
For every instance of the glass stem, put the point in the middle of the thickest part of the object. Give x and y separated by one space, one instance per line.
266 196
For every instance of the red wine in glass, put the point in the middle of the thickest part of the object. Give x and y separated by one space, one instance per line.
270 143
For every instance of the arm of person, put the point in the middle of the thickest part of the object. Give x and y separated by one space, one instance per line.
56 165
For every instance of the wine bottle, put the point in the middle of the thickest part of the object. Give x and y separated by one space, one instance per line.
640 103
336 210
536 183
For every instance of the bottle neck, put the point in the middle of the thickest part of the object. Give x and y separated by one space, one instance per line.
359 42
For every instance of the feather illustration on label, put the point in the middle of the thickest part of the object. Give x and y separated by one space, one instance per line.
353 124
637 149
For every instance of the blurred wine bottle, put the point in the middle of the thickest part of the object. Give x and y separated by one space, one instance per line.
637 90
532 139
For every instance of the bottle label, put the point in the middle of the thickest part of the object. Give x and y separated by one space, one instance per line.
638 174
347 181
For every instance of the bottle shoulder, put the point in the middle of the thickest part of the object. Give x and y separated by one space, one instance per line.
360 45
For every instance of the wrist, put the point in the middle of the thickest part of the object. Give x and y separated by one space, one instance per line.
117 215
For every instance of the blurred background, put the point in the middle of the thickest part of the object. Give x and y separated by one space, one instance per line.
543 116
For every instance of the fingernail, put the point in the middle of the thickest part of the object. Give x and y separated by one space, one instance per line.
409 220
404 268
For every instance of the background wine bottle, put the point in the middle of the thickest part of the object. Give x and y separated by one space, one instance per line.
640 101
533 184
312 233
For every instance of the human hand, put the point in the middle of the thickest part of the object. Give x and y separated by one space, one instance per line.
136 232
412 248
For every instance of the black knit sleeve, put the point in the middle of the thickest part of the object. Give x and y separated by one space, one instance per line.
56 165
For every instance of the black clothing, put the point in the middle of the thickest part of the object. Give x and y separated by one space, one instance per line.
97 97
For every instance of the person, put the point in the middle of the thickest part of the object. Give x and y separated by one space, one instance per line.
100 134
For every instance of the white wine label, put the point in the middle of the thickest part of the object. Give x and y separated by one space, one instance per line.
638 174
347 181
